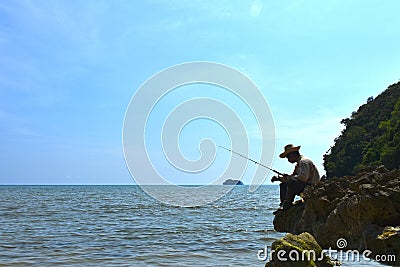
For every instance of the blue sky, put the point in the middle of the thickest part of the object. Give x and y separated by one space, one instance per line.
69 69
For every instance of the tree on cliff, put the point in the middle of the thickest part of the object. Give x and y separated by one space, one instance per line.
371 136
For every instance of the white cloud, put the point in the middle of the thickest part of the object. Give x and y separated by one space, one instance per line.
256 8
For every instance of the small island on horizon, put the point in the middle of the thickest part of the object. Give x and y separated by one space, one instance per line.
233 182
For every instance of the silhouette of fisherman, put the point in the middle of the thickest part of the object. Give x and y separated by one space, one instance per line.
305 173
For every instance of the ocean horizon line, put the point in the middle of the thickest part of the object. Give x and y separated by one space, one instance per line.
187 185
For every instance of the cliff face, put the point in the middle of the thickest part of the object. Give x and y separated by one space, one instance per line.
364 210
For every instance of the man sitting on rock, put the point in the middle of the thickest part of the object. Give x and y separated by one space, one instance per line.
304 174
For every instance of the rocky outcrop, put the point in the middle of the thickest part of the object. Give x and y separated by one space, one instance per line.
298 250
233 182
364 210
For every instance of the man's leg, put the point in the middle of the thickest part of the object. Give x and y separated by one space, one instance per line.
282 192
294 187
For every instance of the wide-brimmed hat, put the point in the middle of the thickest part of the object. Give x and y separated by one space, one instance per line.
289 149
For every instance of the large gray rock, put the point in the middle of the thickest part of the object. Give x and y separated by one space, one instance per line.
354 208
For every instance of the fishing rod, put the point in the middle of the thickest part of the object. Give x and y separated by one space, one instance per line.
275 171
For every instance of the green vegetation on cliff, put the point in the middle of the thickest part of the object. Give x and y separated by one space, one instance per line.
371 136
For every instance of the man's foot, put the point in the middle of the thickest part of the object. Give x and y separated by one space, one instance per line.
278 210
299 202
287 205
283 207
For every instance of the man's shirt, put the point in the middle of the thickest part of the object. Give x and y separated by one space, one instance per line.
306 171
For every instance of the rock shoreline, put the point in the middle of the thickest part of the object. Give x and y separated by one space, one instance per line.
362 210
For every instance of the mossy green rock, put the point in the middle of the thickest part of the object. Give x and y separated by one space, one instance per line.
298 250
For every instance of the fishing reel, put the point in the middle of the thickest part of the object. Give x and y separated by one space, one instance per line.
275 179
280 178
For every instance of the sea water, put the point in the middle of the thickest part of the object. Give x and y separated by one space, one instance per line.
123 226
